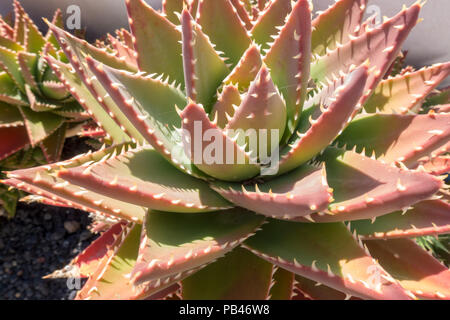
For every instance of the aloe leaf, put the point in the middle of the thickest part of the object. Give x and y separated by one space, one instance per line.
144 178
34 40
204 69
406 92
335 113
242 13
40 125
393 137
380 46
416 269
10 116
365 188
9 63
247 68
307 289
28 67
54 90
265 28
262 109
79 46
425 218
13 139
326 253
88 260
6 30
282 286
10 44
52 146
171 7
87 100
9 92
335 26
218 20
19 23
436 166
123 51
76 53
289 62
238 269
110 280
173 243
37 104
300 193
44 179
224 108
58 21
151 105
156 41
229 162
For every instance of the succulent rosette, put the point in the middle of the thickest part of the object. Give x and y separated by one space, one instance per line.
344 176
37 111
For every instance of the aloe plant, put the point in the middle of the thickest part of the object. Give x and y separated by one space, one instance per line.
357 173
37 111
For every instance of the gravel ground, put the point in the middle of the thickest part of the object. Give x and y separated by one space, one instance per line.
38 241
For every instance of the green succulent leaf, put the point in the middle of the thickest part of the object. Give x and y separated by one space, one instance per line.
224 108
247 68
157 41
302 192
238 269
9 63
289 62
150 104
10 116
87 100
144 178
204 69
234 165
407 92
13 139
171 8
365 188
326 253
336 25
9 92
330 118
219 21
393 137
425 218
10 44
173 243
110 281
282 286
266 27
40 125
262 109
52 146
308 289
416 269
380 46
44 180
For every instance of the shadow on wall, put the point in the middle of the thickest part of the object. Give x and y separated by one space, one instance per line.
429 42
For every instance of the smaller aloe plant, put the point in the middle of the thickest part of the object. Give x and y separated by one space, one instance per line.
37 112
359 158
